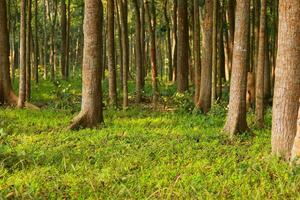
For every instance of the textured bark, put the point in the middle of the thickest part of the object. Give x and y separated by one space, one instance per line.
28 50
183 46
138 53
174 35
287 79
169 42
63 47
214 52
36 43
231 21
22 81
221 60
295 155
236 119
111 53
68 40
204 102
259 95
143 46
196 48
45 47
267 71
91 106
151 17
125 48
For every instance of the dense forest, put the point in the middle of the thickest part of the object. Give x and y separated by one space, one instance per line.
149 99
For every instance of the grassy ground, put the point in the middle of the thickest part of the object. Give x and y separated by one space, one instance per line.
140 153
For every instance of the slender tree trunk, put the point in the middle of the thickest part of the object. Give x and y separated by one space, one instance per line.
120 43
259 95
231 21
28 50
267 70
63 39
169 42
68 40
236 119
91 107
204 101
151 16
111 52
45 38
214 52
196 48
36 46
287 79
143 46
221 60
125 48
22 81
174 35
183 46
138 54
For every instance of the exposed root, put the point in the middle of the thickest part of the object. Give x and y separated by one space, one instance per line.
78 121
12 100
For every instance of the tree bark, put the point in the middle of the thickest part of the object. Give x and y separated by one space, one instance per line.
196 48
287 79
236 119
214 52
22 81
204 101
111 53
63 39
296 146
259 94
174 35
183 46
91 107
169 42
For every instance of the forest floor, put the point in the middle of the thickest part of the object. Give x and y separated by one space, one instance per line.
140 153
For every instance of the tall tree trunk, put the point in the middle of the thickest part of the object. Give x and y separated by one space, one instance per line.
267 70
151 16
183 46
236 119
91 107
125 48
231 21
214 52
28 50
63 39
118 5
221 60
196 48
45 38
287 79
174 36
68 40
204 101
22 81
111 53
36 46
259 94
169 42
143 46
138 54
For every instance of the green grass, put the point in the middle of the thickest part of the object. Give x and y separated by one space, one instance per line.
140 153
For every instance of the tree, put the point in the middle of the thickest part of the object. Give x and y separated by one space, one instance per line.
63 39
174 36
183 46
259 95
36 39
91 107
236 119
28 50
204 101
296 146
111 52
196 48
22 81
287 79
151 17
138 53
125 48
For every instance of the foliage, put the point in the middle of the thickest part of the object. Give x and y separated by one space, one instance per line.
139 153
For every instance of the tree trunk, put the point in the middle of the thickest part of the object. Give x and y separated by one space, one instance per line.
28 50
151 16
204 101
287 79
63 39
36 46
91 107
169 42
214 52
183 46
68 40
111 52
22 81
125 48
45 38
174 45
236 119
259 94
196 48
